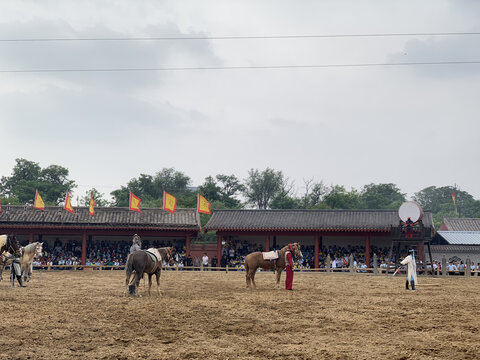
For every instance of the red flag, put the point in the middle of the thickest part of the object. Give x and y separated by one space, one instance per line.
91 207
38 202
203 206
68 204
135 202
169 202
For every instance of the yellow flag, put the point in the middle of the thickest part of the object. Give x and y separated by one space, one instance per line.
91 207
454 198
68 204
169 202
135 202
203 206
38 202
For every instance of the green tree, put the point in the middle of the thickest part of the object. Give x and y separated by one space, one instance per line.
285 202
439 201
150 189
337 197
261 187
313 196
381 196
221 192
210 190
97 196
27 176
230 185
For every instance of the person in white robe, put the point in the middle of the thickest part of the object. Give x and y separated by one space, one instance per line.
411 269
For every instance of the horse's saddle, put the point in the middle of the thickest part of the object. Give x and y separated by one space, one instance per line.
154 254
271 255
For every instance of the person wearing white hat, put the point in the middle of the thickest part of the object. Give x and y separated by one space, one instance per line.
411 269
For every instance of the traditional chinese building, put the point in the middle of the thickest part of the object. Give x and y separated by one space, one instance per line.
320 228
458 238
109 223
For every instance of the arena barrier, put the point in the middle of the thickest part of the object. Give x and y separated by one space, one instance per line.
349 270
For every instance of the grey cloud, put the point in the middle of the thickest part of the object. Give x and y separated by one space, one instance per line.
101 54
454 48
91 115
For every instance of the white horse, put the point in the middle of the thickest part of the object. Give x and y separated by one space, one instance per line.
30 252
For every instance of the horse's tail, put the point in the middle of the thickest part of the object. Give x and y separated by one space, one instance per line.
129 270
129 265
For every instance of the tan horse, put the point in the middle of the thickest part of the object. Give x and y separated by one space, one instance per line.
255 260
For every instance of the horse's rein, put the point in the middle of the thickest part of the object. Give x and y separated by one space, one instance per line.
10 247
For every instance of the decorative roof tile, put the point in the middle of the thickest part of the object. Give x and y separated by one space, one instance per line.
307 220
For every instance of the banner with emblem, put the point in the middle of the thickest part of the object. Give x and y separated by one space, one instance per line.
38 202
91 207
68 204
203 206
169 202
134 202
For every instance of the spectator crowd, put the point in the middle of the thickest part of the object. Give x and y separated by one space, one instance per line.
115 253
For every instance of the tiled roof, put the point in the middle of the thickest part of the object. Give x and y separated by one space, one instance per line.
107 217
307 220
461 237
455 248
462 224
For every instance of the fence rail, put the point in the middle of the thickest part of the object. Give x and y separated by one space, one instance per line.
351 270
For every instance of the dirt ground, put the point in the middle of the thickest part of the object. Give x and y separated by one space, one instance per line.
210 315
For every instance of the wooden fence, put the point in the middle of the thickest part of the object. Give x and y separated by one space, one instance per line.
349 270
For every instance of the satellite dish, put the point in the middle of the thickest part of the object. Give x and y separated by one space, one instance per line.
412 210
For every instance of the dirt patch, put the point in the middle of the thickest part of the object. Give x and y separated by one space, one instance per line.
210 315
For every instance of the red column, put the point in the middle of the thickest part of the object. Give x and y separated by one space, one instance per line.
420 250
187 246
317 250
267 243
367 251
30 238
219 249
84 248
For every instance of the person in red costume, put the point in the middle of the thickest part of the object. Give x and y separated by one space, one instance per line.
289 268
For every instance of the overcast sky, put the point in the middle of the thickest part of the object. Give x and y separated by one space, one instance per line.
414 126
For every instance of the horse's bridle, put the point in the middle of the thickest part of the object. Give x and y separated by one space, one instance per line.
10 246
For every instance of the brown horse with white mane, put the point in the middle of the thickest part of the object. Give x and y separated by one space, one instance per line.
147 262
256 260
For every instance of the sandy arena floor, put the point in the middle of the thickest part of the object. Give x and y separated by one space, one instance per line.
209 315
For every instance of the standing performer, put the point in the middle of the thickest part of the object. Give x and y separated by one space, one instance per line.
136 243
15 268
409 228
289 268
412 269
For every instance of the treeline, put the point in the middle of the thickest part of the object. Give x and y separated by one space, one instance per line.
262 189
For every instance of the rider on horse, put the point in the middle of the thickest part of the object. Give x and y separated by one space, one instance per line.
136 243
